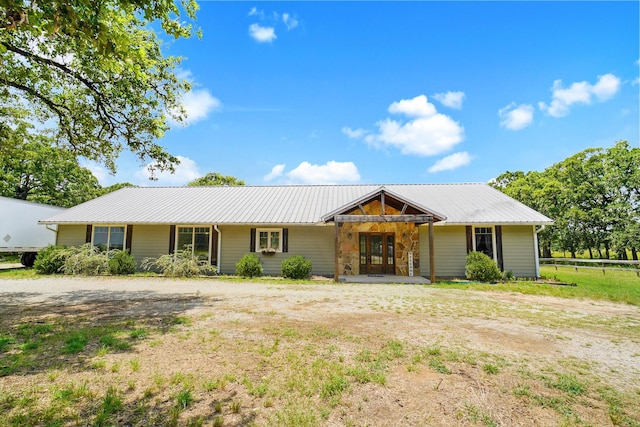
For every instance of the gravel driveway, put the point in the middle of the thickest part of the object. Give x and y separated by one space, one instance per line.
535 331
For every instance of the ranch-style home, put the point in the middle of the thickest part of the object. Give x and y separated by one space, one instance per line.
403 230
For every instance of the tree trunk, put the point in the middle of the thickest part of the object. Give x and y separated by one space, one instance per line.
634 254
599 253
546 251
590 254
573 253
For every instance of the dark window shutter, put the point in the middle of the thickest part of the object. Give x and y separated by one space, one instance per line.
253 240
87 238
214 246
499 247
469 239
129 237
172 238
285 240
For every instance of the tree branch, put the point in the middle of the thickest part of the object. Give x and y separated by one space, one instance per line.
91 85
57 108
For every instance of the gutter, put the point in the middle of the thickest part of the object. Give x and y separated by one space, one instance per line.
219 254
55 231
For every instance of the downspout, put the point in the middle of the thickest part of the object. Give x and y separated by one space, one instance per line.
55 231
536 249
218 255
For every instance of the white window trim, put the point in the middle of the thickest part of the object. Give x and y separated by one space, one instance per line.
124 240
194 226
493 238
269 230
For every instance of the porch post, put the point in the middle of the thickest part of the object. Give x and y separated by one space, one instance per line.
432 256
336 267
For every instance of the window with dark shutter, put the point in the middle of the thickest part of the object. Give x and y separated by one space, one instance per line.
87 238
252 240
285 240
127 241
172 238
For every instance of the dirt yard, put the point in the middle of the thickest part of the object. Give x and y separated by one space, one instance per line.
209 352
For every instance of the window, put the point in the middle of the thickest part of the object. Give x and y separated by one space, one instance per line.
269 239
197 238
483 237
109 237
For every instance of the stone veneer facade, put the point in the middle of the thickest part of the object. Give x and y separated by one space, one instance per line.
406 240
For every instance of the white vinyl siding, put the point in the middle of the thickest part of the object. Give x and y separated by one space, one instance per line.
315 243
518 250
450 247
71 235
149 241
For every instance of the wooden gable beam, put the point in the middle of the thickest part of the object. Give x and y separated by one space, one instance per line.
418 219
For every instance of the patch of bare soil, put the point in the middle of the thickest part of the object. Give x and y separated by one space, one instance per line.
375 355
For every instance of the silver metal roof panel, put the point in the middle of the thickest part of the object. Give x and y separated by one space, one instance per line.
460 203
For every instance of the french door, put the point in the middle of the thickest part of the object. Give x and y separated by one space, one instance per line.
377 254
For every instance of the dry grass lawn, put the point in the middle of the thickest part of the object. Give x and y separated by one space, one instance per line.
149 351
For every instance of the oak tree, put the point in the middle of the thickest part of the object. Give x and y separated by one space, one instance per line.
92 74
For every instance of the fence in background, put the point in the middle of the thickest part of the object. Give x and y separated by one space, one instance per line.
600 264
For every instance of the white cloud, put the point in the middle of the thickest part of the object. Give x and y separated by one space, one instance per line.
289 21
186 171
354 133
276 172
428 133
450 99
197 105
416 107
516 117
607 86
254 11
453 161
262 34
331 172
579 93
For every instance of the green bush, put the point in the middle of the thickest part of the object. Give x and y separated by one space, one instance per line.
121 262
86 260
481 268
249 266
182 263
296 267
50 260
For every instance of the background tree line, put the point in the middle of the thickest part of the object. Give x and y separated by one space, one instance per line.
593 197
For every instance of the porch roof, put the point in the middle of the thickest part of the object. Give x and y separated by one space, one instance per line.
381 192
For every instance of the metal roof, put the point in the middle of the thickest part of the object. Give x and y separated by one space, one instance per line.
459 203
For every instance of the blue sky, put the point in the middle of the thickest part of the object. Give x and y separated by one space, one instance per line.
399 92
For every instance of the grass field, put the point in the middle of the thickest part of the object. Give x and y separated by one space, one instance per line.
616 286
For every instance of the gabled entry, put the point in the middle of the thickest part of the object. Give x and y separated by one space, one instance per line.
378 234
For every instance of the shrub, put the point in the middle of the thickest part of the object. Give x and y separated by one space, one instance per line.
50 260
296 267
86 260
182 263
249 266
481 268
508 275
121 262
